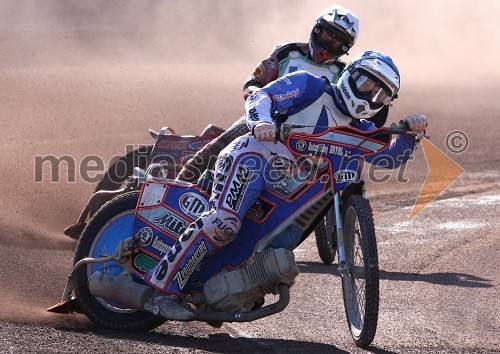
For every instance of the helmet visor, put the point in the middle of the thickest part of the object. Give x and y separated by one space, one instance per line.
374 90
331 42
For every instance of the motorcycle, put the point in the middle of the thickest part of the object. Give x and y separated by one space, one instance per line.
173 151
131 233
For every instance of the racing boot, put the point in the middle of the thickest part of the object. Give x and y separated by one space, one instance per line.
167 306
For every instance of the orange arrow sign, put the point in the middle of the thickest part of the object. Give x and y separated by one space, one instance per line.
443 171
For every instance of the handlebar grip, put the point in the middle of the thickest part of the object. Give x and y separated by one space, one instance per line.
402 128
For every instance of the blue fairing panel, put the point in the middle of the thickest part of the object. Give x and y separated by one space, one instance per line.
159 226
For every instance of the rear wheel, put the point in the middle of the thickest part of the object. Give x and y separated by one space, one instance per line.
360 284
111 224
326 238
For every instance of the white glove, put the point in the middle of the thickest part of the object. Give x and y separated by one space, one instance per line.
264 131
416 122
249 91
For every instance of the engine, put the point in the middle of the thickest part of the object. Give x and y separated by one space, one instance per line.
239 289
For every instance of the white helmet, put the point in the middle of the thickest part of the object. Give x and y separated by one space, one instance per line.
368 83
333 34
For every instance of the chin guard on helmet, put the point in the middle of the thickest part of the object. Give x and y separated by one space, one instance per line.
333 34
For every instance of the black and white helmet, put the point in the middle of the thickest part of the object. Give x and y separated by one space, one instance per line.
333 34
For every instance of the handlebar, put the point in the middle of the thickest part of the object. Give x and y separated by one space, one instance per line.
286 130
401 129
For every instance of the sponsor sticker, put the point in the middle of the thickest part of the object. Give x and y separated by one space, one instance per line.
143 262
223 164
289 94
253 114
260 210
345 176
301 145
225 229
325 149
336 150
160 246
318 148
183 274
344 90
192 204
259 71
173 145
171 223
238 187
145 236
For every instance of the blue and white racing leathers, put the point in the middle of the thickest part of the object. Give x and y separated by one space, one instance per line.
309 100
245 167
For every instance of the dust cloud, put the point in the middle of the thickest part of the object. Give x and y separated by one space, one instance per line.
86 78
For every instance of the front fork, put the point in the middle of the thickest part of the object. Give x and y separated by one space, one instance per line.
340 235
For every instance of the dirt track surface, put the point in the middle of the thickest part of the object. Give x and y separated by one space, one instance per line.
81 80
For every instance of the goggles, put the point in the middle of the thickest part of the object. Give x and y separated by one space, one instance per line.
334 44
369 87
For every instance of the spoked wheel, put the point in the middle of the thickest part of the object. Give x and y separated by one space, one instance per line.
360 285
111 224
326 238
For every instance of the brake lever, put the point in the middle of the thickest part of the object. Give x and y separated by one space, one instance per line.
417 134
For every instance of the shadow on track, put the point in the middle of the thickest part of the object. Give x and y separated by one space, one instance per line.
451 279
218 342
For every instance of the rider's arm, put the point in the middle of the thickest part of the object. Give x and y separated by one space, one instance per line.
395 155
271 68
265 72
296 89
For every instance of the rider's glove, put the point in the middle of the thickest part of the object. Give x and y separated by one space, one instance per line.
264 131
416 122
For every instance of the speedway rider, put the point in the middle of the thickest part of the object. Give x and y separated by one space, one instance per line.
244 168
333 33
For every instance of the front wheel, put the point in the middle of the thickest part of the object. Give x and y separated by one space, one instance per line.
111 224
360 281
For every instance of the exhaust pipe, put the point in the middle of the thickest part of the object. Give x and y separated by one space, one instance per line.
120 289
134 295
280 305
